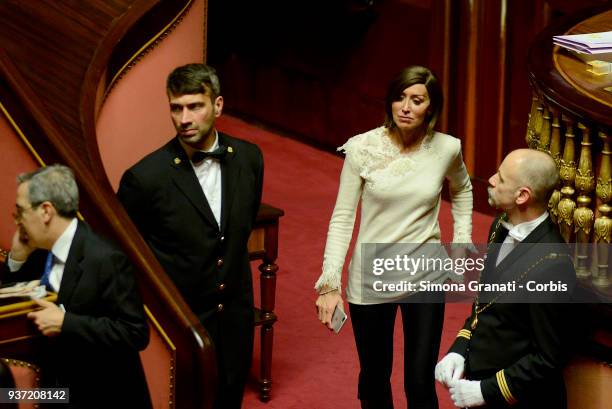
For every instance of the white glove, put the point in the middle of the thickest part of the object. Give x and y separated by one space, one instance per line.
466 394
450 368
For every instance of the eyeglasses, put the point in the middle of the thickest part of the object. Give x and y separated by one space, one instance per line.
19 211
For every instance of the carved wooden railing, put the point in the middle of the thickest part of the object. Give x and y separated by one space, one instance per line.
571 119
55 60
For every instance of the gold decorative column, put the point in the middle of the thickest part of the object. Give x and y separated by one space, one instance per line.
603 223
583 215
555 152
544 138
555 136
567 172
537 125
530 135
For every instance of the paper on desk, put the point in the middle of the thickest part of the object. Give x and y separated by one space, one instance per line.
592 43
28 289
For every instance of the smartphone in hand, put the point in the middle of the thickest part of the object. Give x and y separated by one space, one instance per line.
338 319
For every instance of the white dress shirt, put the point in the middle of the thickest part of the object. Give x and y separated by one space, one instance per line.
517 234
60 251
209 175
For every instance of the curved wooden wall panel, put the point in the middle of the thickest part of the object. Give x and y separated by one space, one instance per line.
15 159
588 383
159 363
61 37
54 57
134 118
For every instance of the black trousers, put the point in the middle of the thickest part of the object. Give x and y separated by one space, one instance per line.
231 379
373 327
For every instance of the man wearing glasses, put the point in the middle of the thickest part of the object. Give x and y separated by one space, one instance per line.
95 331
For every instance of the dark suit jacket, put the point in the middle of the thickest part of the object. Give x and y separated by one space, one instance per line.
518 349
209 264
96 353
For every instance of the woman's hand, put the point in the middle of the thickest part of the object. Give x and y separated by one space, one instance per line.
326 304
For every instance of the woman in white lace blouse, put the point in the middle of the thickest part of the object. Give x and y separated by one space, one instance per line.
396 171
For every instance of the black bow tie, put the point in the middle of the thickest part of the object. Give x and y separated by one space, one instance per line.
218 153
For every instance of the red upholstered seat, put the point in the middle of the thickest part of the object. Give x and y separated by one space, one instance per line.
25 376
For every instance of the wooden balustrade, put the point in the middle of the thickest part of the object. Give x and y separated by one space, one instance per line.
603 223
584 215
580 205
570 119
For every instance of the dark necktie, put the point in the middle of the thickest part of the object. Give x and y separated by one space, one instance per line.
218 154
44 280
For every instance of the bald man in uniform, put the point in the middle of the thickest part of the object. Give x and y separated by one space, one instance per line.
512 347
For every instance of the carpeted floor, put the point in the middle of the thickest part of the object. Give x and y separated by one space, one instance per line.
313 367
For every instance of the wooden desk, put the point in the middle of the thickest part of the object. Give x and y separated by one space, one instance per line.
263 245
561 78
573 70
19 338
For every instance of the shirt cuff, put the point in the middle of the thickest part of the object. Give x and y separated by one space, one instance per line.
14 265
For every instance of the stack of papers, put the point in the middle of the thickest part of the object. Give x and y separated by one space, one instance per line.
31 290
593 43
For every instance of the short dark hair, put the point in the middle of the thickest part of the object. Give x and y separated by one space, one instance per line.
408 77
53 184
193 79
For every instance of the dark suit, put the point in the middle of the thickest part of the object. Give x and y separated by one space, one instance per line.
518 349
209 264
96 353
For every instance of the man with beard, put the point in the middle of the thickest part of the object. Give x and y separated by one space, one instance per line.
512 347
194 200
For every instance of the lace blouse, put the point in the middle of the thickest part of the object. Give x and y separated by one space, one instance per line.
400 197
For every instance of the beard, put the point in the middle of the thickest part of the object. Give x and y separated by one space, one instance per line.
191 139
198 139
491 199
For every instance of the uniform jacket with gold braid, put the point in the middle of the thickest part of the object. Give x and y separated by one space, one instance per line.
517 350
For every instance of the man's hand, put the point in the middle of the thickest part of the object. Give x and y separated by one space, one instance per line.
450 368
20 250
326 304
466 394
49 319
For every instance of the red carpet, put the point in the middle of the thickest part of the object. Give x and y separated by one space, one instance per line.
313 367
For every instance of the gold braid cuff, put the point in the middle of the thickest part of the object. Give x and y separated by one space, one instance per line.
464 333
503 387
